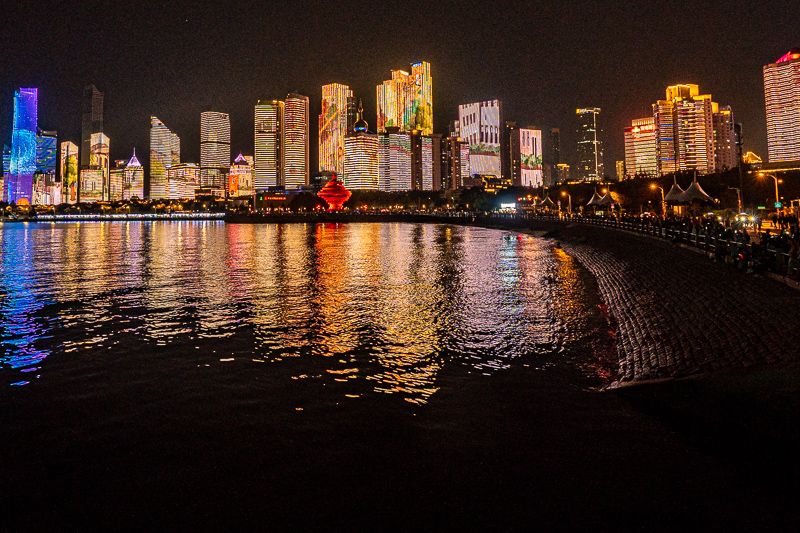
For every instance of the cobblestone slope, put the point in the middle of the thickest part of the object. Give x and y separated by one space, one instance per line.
677 312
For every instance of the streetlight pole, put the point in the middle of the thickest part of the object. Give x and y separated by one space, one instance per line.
777 198
569 197
663 206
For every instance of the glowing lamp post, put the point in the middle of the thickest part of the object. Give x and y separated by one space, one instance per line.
569 198
663 207
777 181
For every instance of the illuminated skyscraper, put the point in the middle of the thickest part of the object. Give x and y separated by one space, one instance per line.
394 160
215 148
335 122
69 172
361 156
241 177
91 120
782 95
133 179
183 180
480 126
46 190
296 141
23 146
406 100
590 147
6 173
725 150
165 151
269 156
641 148
526 157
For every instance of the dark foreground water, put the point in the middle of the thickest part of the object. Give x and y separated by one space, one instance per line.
390 376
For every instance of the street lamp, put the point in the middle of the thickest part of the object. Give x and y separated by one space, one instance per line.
777 181
565 193
663 207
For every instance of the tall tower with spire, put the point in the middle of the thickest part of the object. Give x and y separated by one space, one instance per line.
361 155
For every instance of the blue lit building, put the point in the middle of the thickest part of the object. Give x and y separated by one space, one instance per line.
6 172
23 146
46 150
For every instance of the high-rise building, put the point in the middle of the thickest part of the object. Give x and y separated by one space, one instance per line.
19 184
696 134
133 179
165 152
453 166
406 100
69 172
91 120
590 147
620 170
782 95
46 189
241 177
269 153
725 152
100 158
394 160
215 148
509 164
665 121
6 173
421 161
296 141
480 126
641 148
335 121
361 156
183 180
526 157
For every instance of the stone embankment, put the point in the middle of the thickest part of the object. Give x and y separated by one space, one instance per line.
678 313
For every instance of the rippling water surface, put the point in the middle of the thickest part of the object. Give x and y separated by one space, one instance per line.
353 310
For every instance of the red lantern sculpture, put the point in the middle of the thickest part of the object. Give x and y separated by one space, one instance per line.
335 194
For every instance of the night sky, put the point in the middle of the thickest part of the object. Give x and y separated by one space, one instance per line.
543 60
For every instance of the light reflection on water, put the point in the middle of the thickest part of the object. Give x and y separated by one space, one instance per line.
364 308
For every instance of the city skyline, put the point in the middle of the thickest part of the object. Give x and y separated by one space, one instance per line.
516 52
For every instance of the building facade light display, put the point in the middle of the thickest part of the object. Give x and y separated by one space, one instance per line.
296 141
334 125
782 97
19 184
69 172
361 156
590 147
46 189
165 152
269 152
641 148
530 156
241 177
215 148
406 100
183 180
480 126
100 159
394 161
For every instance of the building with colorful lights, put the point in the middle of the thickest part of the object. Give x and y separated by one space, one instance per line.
480 127
69 172
361 156
692 132
590 147
269 137
91 121
22 164
523 156
725 146
215 148
183 180
295 145
100 158
406 100
241 177
782 96
165 152
335 121
641 148
46 188
127 180
394 160
421 161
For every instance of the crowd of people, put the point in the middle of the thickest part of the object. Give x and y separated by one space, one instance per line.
739 241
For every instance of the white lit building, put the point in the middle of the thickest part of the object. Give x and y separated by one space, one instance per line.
782 96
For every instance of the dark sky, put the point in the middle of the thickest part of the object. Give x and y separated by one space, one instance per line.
172 59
